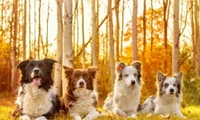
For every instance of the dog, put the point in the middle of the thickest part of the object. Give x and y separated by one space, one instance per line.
36 99
168 98
125 98
80 98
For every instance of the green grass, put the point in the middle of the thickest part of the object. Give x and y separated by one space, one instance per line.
7 106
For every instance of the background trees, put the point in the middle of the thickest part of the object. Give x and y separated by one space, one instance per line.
88 33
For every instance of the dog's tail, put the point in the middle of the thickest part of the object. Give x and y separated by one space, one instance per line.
148 106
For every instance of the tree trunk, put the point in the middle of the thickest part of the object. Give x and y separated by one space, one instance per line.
165 3
94 37
24 32
134 30
14 82
144 32
39 29
30 32
196 37
94 33
151 25
111 41
47 30
117 28
175 48
83 34
67 39
122 30
58 66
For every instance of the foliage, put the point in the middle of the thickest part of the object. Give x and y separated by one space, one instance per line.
5 66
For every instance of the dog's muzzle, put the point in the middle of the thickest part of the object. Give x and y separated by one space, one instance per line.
36 77
171 91
132 82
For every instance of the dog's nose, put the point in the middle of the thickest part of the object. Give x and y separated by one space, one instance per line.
81 83
171 90
36 71
132 82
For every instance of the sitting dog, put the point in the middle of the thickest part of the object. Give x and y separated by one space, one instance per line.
80 99
36 99
168 99
125 98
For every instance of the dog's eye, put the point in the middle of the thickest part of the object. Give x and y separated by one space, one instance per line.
41 65
174 85
166 85
126 75
135 75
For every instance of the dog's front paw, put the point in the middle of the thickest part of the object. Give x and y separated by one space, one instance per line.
92 115
25 117
165 116
77 117
133 116
182 116
119 112
41 118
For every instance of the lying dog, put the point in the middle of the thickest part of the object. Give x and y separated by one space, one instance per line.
36 99
80 98
125 99
168 99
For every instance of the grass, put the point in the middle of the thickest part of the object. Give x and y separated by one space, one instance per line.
7 106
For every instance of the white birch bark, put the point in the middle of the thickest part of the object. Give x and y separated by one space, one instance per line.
175 48
67 39
58 65
134 30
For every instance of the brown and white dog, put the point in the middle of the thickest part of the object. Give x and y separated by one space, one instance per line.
80 98
168 99
125 98
36 99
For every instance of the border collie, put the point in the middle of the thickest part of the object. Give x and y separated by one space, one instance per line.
125 98
168 99
36 99
80 99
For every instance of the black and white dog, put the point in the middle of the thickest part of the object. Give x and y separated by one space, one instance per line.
35 96
168 99
125 98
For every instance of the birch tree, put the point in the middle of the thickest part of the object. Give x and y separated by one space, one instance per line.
58 66
111 41
24 32
13 60
83 35
67 38
117 28
94 40
196 37
175 48
94 33
134 30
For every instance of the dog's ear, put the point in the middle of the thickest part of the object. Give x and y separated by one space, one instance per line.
92 71
160 76
120 66
68 71
137 65
49 61
178 76
22 65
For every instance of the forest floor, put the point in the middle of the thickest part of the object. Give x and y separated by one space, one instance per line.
7 106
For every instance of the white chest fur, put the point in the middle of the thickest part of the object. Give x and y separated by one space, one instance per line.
36 102
127 99
83 105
